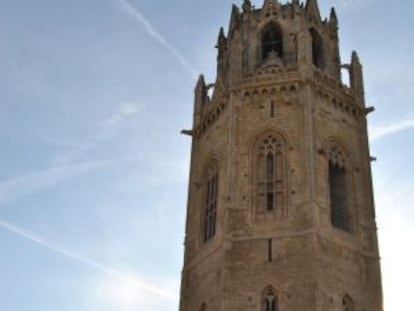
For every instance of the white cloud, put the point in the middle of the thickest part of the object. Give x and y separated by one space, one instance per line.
106 130
150 29
25 185
126 109
396 232
389 129
26 234
123 293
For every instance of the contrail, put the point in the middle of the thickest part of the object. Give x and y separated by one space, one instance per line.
382 131
83 259
20 186
149 28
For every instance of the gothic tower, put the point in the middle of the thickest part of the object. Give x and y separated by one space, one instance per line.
280 209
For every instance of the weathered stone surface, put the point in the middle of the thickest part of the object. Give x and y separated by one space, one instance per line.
292 250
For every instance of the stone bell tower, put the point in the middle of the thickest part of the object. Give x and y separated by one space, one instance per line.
280 210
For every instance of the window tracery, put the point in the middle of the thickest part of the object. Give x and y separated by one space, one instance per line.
270 174
339 180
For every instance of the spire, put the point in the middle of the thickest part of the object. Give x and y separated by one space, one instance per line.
356 79
221 37
247 6
312 9
201 92
235 11
221 42
200 99
333 20
235 20
355 58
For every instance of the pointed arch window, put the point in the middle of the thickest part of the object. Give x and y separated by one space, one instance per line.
270 300
272 41
210 206
270 174
338 195
347 303
339 181
317 49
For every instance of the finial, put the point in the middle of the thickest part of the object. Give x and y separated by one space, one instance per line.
247 5
312 9
235 9
221 41
221 35
201 82
355 57
333 19
269 2
234 20
271 6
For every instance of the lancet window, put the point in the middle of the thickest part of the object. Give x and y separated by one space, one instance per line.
317 49
339 181
270 172
270 300
347 303
210 206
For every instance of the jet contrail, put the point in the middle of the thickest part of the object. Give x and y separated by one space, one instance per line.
83 259
149 28
382 131
27 184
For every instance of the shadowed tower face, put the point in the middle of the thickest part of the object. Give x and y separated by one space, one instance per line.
280 210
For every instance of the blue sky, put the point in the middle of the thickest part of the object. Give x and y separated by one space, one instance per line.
93 173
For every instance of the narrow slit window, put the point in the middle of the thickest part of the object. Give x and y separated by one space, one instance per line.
210 212
269 250
270 201
270 166
270 185
272 109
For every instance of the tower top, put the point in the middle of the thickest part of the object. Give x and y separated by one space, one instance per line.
286 36
312 9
